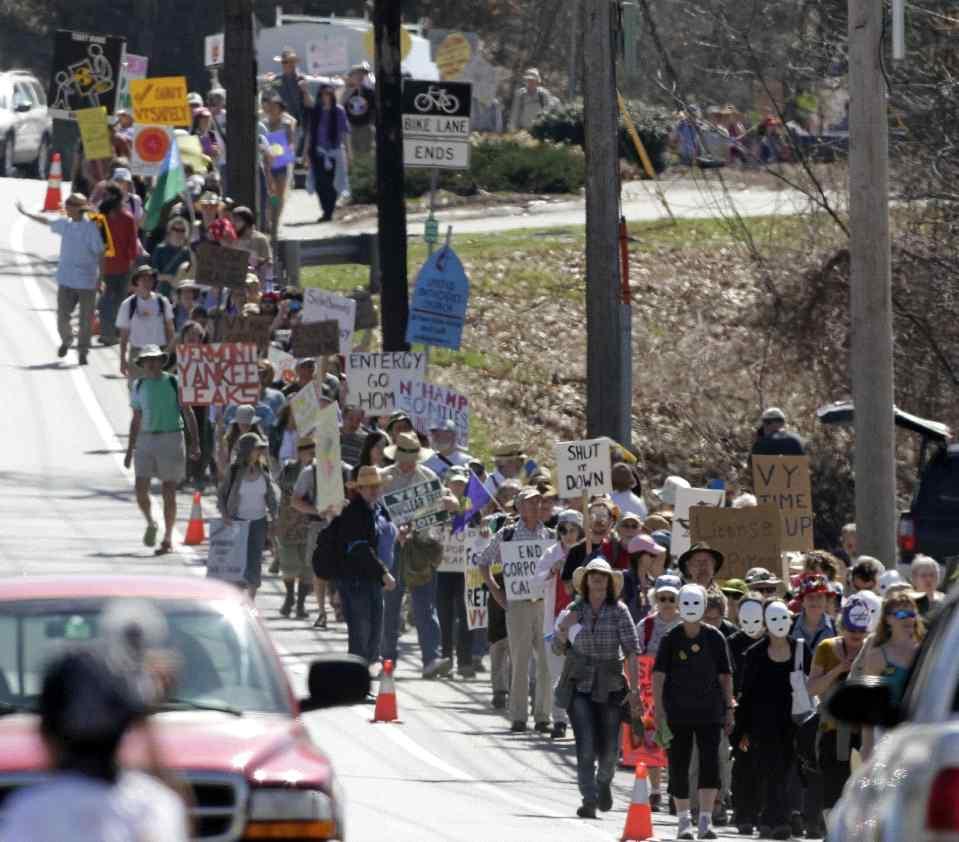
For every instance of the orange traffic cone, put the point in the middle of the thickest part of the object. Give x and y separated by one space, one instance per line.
54 201
195 531
385 710
639 819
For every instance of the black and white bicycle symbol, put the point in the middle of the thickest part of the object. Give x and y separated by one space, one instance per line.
436 99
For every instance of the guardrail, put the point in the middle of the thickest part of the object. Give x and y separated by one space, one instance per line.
362 249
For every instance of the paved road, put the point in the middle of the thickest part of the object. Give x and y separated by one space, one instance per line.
449 772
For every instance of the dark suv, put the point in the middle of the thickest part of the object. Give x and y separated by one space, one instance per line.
931 526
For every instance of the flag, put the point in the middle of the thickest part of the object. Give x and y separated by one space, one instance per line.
476 498
170 183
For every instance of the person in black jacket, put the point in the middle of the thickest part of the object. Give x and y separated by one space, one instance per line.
772 439
362 575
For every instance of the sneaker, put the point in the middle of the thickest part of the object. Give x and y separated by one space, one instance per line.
542 727
605 801
558 732
287 607
438 666
499 700
517 727
466 672
302 613
684 829
62 350
82 360
719 815
479 665
588 811
320 621
706 828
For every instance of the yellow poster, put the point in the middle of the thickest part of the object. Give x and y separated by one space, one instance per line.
192 153
94 133
160 101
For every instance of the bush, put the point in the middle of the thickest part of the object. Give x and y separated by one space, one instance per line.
564 124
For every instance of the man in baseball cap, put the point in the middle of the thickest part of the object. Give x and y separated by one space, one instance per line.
446 453
772 438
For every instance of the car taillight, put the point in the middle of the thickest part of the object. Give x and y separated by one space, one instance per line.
907 534
942 810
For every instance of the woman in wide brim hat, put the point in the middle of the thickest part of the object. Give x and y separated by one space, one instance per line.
597 565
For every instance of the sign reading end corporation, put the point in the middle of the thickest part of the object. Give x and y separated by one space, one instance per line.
436 124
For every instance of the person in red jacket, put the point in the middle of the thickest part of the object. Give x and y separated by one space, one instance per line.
116 268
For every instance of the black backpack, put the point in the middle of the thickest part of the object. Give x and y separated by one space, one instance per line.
328 554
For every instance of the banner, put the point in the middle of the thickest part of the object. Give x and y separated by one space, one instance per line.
94 133
218 374
369 378
150 147
519 569
477 599
306 409
420 505
784 482
320 306
316 339
253 328
221 266
460 550
583 467
328 465
134 67
747 537
642 748
85 74
227 554
191 152
161 101
429 404
686 497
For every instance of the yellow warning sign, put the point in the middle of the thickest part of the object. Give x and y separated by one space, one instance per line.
453 55
160 101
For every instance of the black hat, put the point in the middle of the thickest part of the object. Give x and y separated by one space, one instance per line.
701 547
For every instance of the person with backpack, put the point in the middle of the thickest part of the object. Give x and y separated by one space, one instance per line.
530 101
155 446
116 267
145 318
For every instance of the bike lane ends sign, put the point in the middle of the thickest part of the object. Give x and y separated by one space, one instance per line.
436 124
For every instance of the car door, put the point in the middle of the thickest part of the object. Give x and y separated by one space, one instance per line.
24 107
41 116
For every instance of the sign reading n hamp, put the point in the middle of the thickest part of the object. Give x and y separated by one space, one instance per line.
583 467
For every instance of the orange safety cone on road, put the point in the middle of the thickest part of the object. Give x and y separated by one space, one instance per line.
639 819
385 710
54 199
195 530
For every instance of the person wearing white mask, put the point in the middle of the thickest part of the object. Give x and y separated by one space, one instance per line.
764 721
693 693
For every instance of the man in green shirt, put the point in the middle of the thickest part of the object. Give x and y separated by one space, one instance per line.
156 447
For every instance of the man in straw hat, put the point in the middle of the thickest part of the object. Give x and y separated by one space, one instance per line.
78 270
510 461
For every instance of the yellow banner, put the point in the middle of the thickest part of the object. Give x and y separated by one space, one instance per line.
94 133
160 101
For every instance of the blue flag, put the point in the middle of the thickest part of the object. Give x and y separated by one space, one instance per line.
476 498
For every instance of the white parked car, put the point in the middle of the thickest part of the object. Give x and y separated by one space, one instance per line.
26 128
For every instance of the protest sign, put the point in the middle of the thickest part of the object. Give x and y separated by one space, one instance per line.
327 52
253 328
284 364
459 550
85 74
281 153
320 306
134 67
220 266
519 569
438 309
328 470
370 376
316 339
747 537
191 152
218 374
213 49
150 147
226 558
306 409
429 404
642 748
784 482
583 467
161 101
477 599
686 497
94 133
420 505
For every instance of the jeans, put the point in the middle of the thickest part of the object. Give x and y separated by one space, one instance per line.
253 575
424 617
325 190
451 609
596 728
67 301
362 604
114 291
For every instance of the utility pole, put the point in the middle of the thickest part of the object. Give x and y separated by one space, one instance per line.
390 198
608 318
239 70
870 282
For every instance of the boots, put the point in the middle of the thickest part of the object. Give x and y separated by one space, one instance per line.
287 607
301 594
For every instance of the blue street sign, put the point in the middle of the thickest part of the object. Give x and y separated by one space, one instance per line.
439 302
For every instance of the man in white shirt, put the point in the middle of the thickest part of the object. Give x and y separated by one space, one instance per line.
144 318
446 454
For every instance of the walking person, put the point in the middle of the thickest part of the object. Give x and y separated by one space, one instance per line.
145 318
277 119
328 153
592 632
693 693
116 267
78 269
291 531
155 446
249 493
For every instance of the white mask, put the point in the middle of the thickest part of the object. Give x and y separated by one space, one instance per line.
692 603
751 618
778 620
875 607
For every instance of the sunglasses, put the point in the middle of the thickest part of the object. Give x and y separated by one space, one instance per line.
903 614
629 526
665 599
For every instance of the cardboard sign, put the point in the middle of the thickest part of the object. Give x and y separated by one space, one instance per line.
85 73
519 569
327 52
134 67
306 409
328 465
150 147
370 376
583 467
460 550
429 404
218 374
747 537
220 266
320 306
316 339
284 365
686 497
94 133
255 329
438 311
420 505
227 554
161 101
784 482
477 599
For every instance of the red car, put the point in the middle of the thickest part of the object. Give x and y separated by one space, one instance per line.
231 726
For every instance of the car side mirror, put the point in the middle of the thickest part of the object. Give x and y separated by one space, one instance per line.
864 701
336 680
22 106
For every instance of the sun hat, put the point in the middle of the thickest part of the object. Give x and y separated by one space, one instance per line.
122 174
208 197
656 523
667 494
150 352
631 516
457 474
245 414
286 54
701 547
305 361
809 584
246 444
305 443
761 577
773 413
667 583
598 565
570 516
528 492
644 543
503 452
406 449
193 99
734 587
532 73
367 477
142 269
396 417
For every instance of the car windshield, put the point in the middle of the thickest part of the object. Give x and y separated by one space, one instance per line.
939 490
220 657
